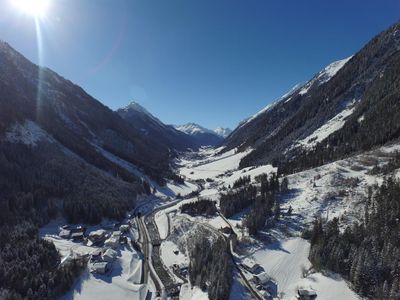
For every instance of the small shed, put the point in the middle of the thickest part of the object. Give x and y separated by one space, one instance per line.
306 294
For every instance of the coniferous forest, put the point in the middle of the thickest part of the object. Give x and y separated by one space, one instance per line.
366 253
211 266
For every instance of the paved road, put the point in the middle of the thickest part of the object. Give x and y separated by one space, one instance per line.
150 239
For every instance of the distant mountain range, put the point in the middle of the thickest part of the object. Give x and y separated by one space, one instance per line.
180 138
202 135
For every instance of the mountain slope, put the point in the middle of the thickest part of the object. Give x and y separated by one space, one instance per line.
152 128
202 136
71 117
66 151
350 106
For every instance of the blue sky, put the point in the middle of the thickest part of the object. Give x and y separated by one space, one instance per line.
213 62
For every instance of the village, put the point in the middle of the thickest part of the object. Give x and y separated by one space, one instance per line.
106 240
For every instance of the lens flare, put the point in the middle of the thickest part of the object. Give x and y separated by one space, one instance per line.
36 8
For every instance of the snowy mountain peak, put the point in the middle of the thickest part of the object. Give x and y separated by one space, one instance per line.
223 132
328 72
193 129
133 105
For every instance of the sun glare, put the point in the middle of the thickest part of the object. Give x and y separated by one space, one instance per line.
36 8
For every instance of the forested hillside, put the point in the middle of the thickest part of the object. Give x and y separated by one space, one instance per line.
353 110
366 253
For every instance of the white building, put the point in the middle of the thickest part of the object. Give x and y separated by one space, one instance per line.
109 255
251 266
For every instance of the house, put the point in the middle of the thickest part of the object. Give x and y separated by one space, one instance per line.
124 228
268 284
251 266
65 234
109 255
306 294
77 236
97 235
95 256
100 267
112 242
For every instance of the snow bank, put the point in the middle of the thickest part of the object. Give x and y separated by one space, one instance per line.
162 223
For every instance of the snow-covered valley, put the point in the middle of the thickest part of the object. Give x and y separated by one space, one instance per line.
332 190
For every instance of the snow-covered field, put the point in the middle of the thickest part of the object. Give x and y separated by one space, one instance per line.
285 261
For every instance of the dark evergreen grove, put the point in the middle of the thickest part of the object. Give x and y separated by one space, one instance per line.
265 207
29 265
34 183
211 266
261 200
367 254
236 200
200 207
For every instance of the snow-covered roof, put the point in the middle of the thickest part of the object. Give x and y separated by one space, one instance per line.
263 277
248 263
110 253
306 292
98 232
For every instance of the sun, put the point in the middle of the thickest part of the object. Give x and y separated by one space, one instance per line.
36 8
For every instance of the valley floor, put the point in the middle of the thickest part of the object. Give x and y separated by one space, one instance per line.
332 190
